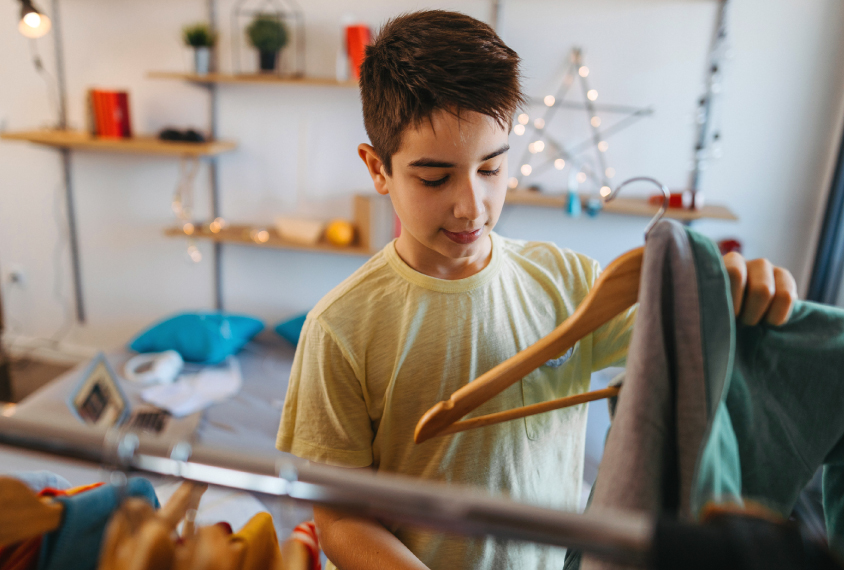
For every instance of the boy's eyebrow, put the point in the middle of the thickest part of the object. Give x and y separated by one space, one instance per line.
432 163
501 150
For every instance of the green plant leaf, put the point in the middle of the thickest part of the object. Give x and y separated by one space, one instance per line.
267 33
199 35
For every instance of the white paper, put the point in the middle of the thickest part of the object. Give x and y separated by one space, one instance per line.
194 392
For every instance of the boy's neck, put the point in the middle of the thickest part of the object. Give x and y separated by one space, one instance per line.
434 264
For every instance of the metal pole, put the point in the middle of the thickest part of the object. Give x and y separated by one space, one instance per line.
213 165
618 536
495 16
72 235
66 166
5 369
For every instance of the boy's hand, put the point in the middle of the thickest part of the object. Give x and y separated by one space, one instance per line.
760 290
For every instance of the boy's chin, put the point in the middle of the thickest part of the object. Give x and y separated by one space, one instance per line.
454 250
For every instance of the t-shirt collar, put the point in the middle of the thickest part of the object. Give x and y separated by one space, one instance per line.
447 285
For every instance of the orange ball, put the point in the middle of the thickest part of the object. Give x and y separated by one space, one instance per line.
340 233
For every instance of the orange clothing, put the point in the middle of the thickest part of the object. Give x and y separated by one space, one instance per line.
50 492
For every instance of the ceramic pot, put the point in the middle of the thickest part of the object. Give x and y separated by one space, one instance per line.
268 61
202 60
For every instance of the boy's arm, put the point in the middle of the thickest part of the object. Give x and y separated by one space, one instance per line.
325 420
358 543
325 417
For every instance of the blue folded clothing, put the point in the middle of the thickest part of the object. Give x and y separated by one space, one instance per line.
202 337
290 330
75 545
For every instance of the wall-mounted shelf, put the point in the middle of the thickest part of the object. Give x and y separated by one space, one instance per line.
622 206
259 78
249 235
373 221
142 145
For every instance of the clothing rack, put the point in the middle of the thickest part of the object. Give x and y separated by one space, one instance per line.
632 539
620 537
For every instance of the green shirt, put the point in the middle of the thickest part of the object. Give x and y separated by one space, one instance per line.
778 400
712 411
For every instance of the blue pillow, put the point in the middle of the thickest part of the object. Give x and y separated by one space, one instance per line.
292 329
205 337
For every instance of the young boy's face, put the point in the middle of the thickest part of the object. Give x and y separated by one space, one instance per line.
448 186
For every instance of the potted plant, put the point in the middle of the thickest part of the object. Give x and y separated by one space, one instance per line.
201 38
268 34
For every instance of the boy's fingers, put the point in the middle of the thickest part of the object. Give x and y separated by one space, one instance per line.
737 271
761 287
784 297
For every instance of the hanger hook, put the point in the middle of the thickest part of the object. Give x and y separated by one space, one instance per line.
666 196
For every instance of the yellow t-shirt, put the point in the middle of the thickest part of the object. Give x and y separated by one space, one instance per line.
389 342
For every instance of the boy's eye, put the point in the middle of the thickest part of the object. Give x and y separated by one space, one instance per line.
439 182
490 172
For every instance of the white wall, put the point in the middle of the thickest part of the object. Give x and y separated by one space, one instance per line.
783 94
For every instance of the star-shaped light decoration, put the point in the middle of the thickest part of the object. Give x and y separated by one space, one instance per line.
552 152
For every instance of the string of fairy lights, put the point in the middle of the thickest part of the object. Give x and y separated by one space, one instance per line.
182 206
708 138
183 203
546 151
543 153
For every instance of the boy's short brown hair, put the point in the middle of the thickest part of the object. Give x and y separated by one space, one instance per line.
431 60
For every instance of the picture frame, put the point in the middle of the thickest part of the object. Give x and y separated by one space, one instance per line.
98 399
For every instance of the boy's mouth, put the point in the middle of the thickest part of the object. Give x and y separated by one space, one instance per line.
463 237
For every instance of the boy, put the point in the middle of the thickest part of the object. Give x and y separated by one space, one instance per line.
447 301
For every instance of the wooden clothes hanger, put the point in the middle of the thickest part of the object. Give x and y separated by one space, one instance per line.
616 289
128 533
210 549
139 538
24 514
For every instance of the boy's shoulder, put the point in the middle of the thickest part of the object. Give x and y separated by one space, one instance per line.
539 250
558 263
358 288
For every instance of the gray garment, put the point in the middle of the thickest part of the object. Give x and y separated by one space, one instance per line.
715 412
648 465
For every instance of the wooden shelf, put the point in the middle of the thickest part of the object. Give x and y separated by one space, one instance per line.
622 206
143 145
259 78
243 235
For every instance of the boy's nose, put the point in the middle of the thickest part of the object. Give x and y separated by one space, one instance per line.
469 204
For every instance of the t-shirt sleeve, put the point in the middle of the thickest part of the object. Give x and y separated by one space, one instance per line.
610 340
325 416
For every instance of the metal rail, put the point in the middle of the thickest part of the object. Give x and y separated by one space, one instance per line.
620 537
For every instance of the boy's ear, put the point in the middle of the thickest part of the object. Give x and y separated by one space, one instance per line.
375 166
